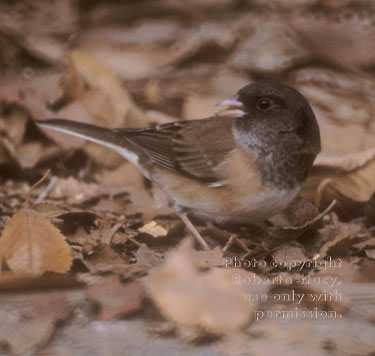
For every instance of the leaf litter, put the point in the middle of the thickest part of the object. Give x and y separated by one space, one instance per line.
107 241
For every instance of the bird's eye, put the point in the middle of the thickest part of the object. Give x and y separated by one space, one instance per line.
264 104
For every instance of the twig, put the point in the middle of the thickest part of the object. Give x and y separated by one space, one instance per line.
229 243
45 192
35 185
234 238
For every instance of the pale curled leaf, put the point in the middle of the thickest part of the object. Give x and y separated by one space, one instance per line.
210 301
74 191
31 244
348 162
352 176
154 229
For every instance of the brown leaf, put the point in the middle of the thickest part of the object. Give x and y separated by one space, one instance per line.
31 244
125 175
29 154
154 229
297 213
331 41
115 298
364 245
53 306
7 151
292 232
13 124
26 336
341 236
74 191
370 210
103 257
273 47
73 87
351 176
147 257
98 76
209 300
370 253
149 202
211 258
365 272
289 253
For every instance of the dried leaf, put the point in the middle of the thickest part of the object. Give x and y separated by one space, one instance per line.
149 202
365 272
53 306
74 191
370 253
73 87
351 176
26 336
331 41
29 154
211 258
297 213
31 244
370 210
13 124
98 76
272 48
103 257
209 300
148 257
115 298
341 236
289 253
292 232
153 229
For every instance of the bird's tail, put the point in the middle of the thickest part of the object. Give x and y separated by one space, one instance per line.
89 132
115 140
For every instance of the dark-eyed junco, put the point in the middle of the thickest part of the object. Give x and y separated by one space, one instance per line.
243 165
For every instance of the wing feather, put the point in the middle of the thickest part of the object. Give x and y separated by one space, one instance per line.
182 147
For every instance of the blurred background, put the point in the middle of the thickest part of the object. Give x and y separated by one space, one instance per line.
133 63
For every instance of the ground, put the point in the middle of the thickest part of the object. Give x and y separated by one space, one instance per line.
93 259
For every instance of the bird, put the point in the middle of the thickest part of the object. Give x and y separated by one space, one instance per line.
242 165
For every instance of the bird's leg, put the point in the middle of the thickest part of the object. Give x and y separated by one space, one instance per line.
183 216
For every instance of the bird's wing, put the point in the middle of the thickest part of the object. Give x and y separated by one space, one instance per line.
193 148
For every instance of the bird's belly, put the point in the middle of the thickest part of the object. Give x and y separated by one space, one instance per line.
248 208
241 202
